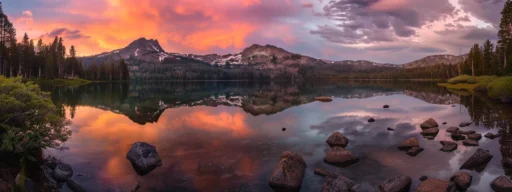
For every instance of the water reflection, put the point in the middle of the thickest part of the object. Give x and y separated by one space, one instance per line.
215 136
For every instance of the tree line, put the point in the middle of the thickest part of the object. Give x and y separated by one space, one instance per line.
48 61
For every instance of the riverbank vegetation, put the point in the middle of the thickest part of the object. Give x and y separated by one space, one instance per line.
496 87
29 123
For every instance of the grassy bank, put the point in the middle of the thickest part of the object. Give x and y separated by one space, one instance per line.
496 87
62 82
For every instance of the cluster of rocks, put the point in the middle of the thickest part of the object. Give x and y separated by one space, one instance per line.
56 173
337 154
412 146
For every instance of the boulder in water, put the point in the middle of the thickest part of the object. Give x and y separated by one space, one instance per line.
430 132
491 135
74 186
322 172
409 143
452 129
337 139
385 106
448 146
371 120
464 124
456 136
501 184
390 129
339 183
414 151
398 183
289 172
467 132
340 157
323 99
430 123
476 136
478 161
143 157
434 185
423 178
462 180
470 142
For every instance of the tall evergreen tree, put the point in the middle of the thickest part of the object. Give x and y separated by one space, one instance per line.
505 34
488 68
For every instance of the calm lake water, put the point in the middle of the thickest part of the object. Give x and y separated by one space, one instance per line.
227 136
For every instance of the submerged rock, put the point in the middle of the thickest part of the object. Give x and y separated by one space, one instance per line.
409 143
430 132
429 137
448 146
462 180
414 151
340 157
491 135
397 183
371 120
501 184
476 136
323 99
465 124
390 129
337 139
470 142
339 183
452 129
507 162
478 161
436 185
289 173
386 106
430 123
423 178
467 132
62 172
143 157
456 136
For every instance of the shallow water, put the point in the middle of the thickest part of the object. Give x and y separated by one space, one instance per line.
228 136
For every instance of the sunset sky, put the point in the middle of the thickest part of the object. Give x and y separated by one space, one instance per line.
394 31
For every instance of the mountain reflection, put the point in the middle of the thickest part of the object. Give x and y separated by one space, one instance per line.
226 136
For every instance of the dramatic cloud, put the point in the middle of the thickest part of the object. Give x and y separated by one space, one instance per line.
66 33
486 10
391 31
371 21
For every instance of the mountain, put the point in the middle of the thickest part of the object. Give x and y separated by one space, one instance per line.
146 59
433 60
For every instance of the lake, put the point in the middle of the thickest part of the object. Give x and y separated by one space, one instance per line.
227 136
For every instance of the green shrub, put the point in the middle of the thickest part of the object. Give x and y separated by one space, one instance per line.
29 121
482 79
462 79
501 89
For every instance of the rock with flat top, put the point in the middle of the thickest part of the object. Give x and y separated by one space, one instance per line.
464 124
467 132
409 143
337 139
491 135
501 184
456 136
462 180
340 157
430 132
289 173
478 161
414 151
448 146
398 183
322 172
470 142
436 185
452 129
430 123
323 99
476 136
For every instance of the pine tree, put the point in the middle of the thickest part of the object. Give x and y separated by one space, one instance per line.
41 54
73 62
505 34
488 56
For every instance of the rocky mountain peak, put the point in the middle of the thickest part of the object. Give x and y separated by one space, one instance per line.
143 43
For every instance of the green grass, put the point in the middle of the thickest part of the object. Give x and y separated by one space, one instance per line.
459 86
62 82
501 89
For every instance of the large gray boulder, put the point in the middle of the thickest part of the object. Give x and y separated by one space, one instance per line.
478 161
337 139
398 183
430 123
340 157
62 172
143 157
409 143
462 180
436 185
289 173
501 184
338 183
